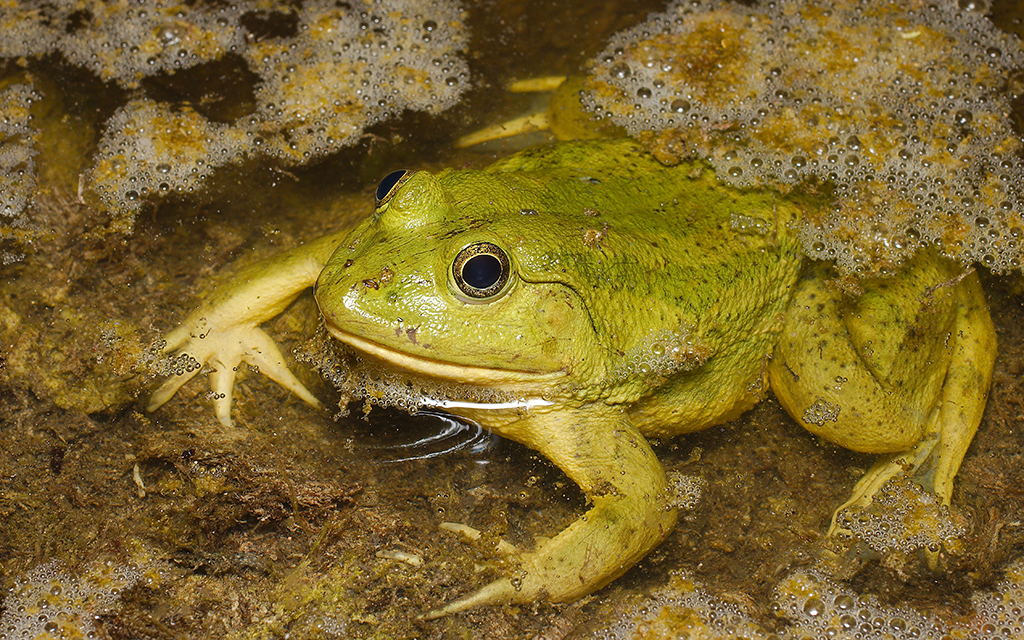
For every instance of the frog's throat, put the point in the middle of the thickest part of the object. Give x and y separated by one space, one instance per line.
508 379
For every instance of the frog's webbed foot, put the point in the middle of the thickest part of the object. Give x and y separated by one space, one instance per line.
903 370
915 463
630 512
225 331
224 349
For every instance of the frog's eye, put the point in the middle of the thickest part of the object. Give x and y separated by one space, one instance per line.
481 270
389 185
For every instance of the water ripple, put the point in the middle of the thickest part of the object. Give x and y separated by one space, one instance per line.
397 437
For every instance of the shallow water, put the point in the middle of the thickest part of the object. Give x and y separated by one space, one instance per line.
293 524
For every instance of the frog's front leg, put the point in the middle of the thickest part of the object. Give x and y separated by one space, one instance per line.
630 514
903 370
224 331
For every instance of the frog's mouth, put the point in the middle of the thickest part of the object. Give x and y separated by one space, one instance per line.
509 379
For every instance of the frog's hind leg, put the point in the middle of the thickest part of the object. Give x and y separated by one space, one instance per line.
631 509
902 370
558 109
535 120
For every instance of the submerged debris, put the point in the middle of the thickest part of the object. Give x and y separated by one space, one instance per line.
902 109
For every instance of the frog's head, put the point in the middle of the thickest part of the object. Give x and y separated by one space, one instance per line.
455 277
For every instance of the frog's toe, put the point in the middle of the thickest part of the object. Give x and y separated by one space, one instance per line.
170 387
536 121
222 358
222 385
191 329
268 359
917 463
537 85
222 353
500 591
630 512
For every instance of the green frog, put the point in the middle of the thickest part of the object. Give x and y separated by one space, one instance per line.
594 297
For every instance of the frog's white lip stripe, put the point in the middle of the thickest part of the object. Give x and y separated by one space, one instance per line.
525 403
466 374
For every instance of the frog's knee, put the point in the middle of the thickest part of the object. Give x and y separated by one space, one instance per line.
859 422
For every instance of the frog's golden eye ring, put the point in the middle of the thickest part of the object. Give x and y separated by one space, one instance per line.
389 185
481 271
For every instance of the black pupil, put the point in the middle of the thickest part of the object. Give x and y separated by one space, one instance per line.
388 183
482 271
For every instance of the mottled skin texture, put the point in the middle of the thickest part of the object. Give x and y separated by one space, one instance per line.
643 300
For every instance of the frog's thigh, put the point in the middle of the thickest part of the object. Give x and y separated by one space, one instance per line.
904 369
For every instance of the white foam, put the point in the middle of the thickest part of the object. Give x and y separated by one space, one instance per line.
902 110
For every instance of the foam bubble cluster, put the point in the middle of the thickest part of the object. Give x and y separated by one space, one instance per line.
122 40
684 610
686 490
899 109
819 607
329 71
663 353
903 518
349 68
48 603
811 605
17 160
376 384
151 149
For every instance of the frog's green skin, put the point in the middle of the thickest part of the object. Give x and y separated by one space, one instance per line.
643 300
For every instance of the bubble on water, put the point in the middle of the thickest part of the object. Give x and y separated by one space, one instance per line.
686 490
316 89
821 411
147 144
322 87
810 604
663 353
126 41
898 111
49 602
17 155
904 518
